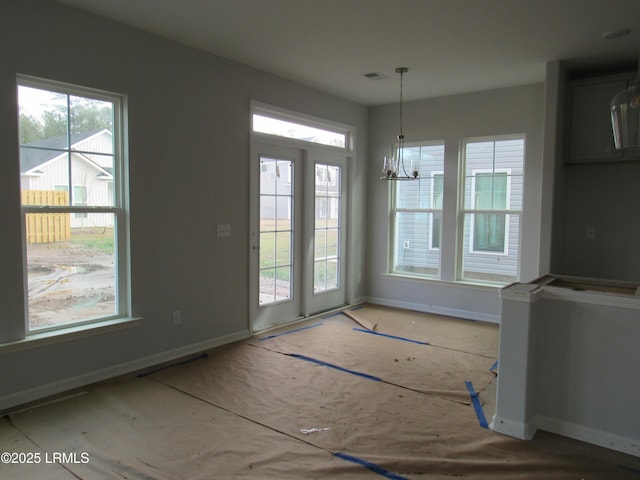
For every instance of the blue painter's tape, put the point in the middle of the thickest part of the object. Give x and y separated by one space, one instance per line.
475 401
337 367
371 466
289 331
332 315
494 367
356 308
390 336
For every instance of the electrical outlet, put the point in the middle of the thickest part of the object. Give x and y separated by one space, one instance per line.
176 317
223 230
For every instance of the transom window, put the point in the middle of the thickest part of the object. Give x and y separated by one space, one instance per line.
274 124
72 176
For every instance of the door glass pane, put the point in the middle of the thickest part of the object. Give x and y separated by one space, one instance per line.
327 228
276 230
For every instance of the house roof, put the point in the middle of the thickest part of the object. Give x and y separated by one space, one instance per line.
50 148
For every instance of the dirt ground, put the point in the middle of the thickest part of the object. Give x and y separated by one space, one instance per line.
69 282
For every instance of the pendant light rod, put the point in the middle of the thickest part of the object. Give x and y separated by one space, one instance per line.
401 71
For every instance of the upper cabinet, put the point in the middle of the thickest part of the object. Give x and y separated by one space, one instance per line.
590 133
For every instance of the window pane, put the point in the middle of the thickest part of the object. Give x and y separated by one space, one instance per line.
276 210
436 219
319 276
327 225
88 116
71 271
43 118
413 253
53 127
283 128
283 248
491 191
489 232
487 265
419 193
320 243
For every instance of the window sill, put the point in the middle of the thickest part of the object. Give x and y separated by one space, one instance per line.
70 333
468 284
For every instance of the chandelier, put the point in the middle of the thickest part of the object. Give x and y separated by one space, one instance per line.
625 116
394 167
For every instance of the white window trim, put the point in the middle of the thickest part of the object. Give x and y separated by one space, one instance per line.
506 212
120 212
431 199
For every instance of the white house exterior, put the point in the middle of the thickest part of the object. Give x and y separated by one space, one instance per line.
44 165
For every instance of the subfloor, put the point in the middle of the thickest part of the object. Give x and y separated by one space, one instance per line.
370 393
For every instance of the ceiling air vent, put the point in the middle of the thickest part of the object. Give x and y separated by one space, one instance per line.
374 76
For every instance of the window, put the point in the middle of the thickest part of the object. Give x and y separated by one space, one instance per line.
270 124
416 212
483 241
72 175
493 174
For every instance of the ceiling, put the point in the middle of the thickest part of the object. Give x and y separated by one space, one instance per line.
449 46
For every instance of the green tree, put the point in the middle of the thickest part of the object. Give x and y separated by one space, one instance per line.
54 123
30 129
85 115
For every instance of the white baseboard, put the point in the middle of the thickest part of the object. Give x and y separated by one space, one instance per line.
449 312
18 398
593 436
522 431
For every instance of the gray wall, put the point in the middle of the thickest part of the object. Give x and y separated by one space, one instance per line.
189 170
499 112
585 385
605 197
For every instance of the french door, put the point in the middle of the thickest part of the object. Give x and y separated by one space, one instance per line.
298 233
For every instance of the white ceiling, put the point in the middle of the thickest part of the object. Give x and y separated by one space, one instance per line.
449 46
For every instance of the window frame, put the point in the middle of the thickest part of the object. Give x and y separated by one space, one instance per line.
434 174
119 208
